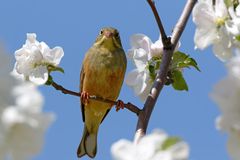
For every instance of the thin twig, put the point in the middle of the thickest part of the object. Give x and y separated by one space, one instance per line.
64 90
159 82
158 20
128 105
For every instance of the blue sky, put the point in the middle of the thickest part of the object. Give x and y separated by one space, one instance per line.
74 25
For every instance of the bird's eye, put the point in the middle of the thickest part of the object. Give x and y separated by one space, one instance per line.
117 34
101 32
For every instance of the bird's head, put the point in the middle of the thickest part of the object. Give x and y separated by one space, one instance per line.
109 38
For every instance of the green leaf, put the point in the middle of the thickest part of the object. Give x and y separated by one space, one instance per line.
179 82
59 69
52 68
152 66
49 81
187 63
181 60
238 38
230 3
170 142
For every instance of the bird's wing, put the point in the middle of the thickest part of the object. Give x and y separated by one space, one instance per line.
82 75
105 115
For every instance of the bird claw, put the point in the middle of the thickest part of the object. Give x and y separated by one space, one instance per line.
84 97
119 105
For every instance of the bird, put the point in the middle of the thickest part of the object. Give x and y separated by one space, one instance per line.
102 75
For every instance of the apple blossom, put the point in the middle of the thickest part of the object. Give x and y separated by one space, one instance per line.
227 95
143 49
147 57
34 58
155 146
212 29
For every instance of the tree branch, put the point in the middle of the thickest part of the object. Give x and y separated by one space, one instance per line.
128 105
159 82
158 20
64 90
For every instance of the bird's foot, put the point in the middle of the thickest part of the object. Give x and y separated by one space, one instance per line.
85 97
119 105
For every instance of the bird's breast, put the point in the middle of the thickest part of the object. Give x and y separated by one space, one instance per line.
104 75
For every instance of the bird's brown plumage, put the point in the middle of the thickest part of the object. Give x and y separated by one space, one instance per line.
102 75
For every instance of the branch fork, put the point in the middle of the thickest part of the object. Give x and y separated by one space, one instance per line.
169 45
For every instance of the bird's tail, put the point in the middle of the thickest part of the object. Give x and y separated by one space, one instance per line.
88 144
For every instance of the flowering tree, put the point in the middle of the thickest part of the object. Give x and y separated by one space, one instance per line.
157 64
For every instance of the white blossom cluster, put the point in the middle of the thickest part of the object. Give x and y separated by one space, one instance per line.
22 122
34 58
142 52
143 49
151 147
217 25
227 95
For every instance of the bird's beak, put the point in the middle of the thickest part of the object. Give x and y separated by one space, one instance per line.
108 34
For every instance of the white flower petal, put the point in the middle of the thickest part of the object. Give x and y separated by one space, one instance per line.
222 51
145 93
238 11
203 15
36 55
154 142
44 48
221 9
120 150
141 41
19 145
138 80
204 37
225 94
234 67
28 98
180 151
140 83
140 58
131 78
149 148
130 53
26 59
232 27
11 116
21 54
55 55
156 49
31 37
163 156
39 75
